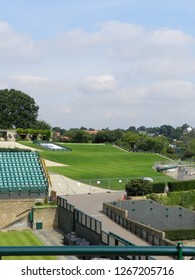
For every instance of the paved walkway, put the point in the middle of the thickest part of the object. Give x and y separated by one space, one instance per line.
52 237
14 145
66 186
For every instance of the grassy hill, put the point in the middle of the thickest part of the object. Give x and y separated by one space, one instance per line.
90 161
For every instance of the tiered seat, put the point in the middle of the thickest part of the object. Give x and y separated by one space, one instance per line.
22 172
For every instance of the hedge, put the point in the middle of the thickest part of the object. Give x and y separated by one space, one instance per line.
174 186
180 234
158 187
181 185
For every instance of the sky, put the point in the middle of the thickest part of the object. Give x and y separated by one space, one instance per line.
101 63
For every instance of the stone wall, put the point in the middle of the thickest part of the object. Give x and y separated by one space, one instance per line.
15 211
14 214
48 216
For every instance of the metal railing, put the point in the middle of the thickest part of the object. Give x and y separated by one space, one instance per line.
177 252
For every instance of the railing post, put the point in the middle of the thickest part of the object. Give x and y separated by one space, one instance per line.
180 252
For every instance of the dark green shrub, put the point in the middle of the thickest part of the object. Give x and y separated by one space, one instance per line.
185 199
158 187
180 234
137 187
181 185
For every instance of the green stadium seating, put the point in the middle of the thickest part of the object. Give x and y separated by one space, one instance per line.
21 172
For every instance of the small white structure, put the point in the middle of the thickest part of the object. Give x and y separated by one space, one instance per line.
148 179
51 146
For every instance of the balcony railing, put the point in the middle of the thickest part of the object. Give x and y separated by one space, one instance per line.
177 252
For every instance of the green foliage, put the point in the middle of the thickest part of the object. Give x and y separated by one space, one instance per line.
158 187
41 125
180 234
153 196
181 185
17 109
185 199
75 135
106 136
80 136
46 134
138 187
133 141
130 139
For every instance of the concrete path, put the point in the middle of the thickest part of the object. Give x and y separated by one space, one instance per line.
14 145
52 237
66 186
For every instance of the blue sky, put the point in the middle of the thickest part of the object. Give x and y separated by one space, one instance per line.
101 63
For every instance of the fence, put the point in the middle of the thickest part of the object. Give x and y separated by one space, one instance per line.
87 221
115 183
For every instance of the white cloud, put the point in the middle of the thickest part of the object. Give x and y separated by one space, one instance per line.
158 53
171 37
29 80
173 90
120 74
100 83
16 47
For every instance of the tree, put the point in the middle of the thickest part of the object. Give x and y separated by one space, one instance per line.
104 136
145 143
130 139
142 128
167 130
40 124
17 109
190 149
161 144
83 128
78 136
132 128
137 187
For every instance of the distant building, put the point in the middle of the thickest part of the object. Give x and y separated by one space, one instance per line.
187 130
92 132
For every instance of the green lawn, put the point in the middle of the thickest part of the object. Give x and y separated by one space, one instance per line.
91 162
22 238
